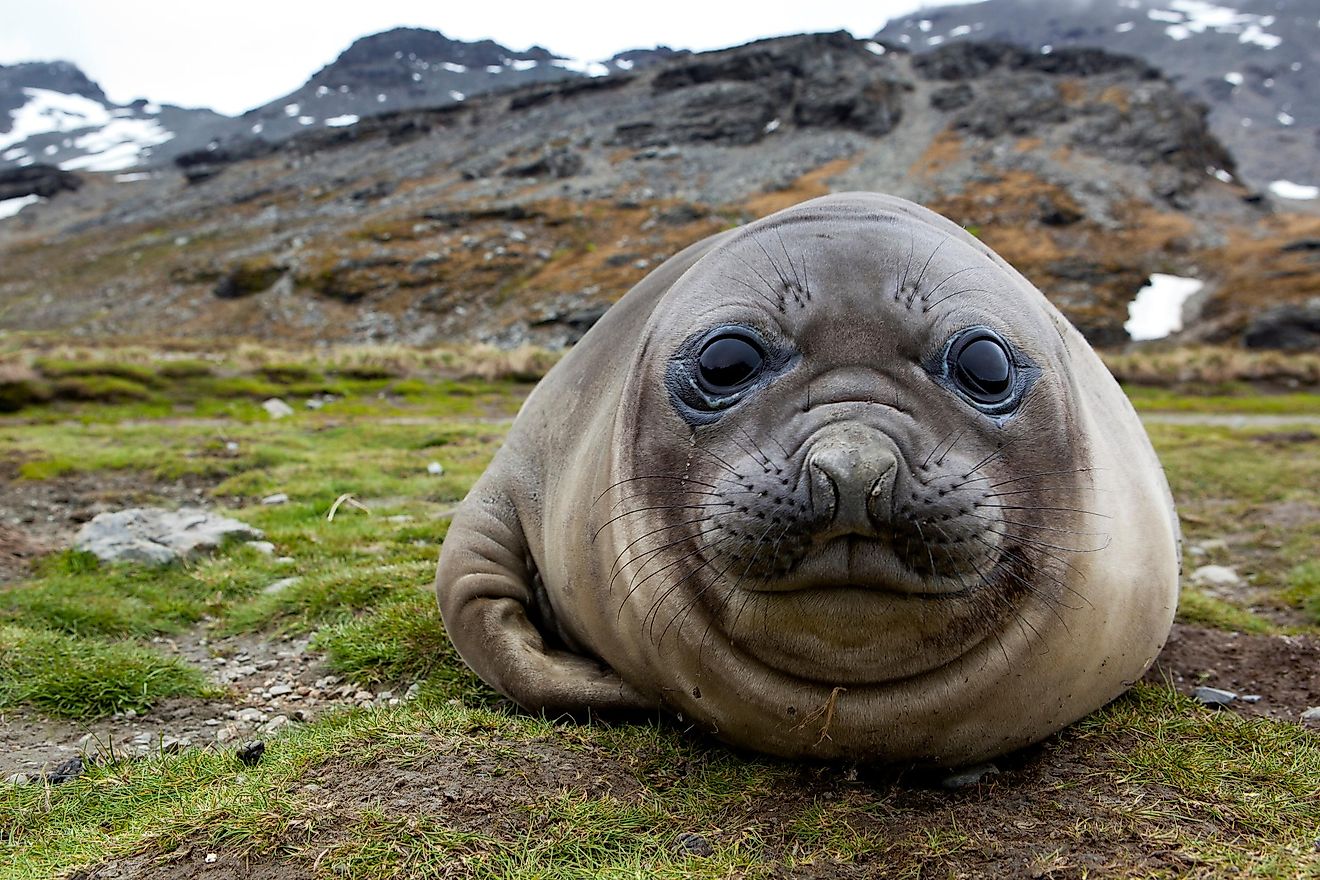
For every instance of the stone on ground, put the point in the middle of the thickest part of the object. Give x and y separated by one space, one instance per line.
156 536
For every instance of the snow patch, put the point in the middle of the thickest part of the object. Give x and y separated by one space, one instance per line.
1157 310
46 111
1286 189
875 48
10 207
306 120
1233 77
1285 118
454 68
12 155
322 91
133 177
337 121
1124 26
1164 15
120 144
924 24
961 30
934 41
292 109
1219 174
457 96
771 126
151 108
494 68
623 64
1177 32
1255 35
590 68
381 98
527 64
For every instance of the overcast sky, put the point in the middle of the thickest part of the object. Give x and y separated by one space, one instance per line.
238 54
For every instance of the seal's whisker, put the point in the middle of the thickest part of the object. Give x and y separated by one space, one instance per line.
638 510
949 296
940 461
796 280
926 461
783 279
632 587
1039 474
769 285
912 294
773 304
1041 571
613 486
1043 507
698 552
1037 542
625 499
654 611
1043 489
1025 525
730 468
733 589
925 296
616 569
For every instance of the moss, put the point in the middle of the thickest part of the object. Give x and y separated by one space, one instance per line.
249 277
100 389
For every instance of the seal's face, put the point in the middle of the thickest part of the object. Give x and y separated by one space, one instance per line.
861 475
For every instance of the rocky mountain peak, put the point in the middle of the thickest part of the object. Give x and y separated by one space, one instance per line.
393 56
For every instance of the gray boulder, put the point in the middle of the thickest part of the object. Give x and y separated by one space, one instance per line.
156 537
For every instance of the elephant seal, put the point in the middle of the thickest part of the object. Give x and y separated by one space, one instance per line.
837 484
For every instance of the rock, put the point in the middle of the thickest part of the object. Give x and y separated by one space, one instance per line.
276 408
277 498
275 723
1208 696
280 585
265 548
1289 327
1250 698
689 844
280 690
251 716
17 779
251 752
156 536
172 745
968 776
1218 576
249 277
36 180
558 164
435 468
953 97
70 769
1311 717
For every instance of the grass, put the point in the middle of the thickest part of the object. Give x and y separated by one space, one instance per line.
86 678
454 783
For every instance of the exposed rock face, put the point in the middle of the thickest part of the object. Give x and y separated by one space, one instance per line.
155 536
1291 327
1251 61
36 180
739 96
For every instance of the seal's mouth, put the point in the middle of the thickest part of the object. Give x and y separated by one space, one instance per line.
853 562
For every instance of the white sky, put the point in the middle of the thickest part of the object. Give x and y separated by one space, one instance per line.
239 54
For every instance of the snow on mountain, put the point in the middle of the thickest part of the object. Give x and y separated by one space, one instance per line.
1253 62
50 113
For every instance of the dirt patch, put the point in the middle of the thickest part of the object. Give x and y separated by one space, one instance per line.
1284 671
267 682
17 553
1041 816
47 513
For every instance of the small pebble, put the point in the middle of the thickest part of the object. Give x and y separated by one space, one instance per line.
276 408
435 468
969 776
277 498
1250 698
1208 696
690 844
211 858
265 548
250 752
1311 716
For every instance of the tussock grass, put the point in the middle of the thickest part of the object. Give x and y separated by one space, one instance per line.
86 678
1188 367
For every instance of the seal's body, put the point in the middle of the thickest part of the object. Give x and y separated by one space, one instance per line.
840 483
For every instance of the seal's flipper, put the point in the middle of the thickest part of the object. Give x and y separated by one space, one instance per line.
488 602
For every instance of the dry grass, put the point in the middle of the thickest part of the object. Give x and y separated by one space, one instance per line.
1214 366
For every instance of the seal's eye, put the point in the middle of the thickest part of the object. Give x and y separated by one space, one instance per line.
729 362
980 366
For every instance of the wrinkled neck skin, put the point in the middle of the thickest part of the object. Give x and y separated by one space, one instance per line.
852 559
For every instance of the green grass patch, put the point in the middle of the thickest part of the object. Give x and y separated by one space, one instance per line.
1195 606
1241 399
1304 588
85 678
400 642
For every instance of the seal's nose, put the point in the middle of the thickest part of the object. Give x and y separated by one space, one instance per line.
852 480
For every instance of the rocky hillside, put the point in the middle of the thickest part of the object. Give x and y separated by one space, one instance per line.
52 113
520 215
1253 62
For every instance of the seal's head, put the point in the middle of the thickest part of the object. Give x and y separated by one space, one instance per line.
870 495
